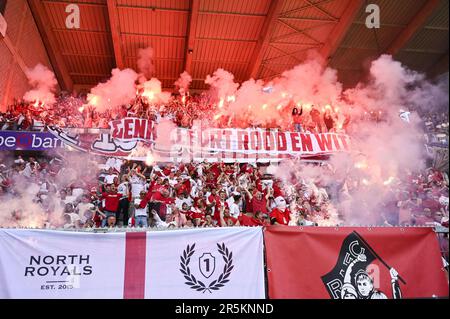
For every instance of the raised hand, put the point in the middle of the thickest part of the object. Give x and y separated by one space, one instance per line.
394 273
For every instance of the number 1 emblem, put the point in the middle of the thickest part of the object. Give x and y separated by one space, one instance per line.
207 264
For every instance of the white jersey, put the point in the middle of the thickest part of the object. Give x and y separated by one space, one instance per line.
137 185
123 189
109 179
234 210
140 211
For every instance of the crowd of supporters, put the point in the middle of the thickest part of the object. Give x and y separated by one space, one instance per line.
72 111
202 194
125 193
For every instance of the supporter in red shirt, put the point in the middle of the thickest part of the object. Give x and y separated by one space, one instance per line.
280 214
258 202
256 220
212 200
181 186
219 204
226 220
277 189
111 198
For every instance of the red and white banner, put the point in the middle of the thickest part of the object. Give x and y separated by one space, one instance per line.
128 137
194 263
354 263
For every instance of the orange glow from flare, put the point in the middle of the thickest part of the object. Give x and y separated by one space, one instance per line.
217 116
221 103
81 109
264 106
150 95
93 100
183 99
389 180
231 98
361 165
279 107
307 106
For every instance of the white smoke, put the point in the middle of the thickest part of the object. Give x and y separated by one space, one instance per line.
183 82
120 89
43 82
145 62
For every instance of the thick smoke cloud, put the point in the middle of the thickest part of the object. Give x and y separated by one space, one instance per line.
183 82
36 201
118 90
43 82
145 62
153 92
222 84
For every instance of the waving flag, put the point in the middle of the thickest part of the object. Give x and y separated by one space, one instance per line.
354 263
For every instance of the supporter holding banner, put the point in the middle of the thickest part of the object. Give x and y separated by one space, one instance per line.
243 145
354 263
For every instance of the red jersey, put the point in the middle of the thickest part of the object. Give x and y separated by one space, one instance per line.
111 201
234 220
250 221
259 205
219 205
159 197
281 217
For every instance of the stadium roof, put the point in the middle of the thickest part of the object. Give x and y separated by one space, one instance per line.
251 38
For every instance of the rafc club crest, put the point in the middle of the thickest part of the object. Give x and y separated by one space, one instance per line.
351 278
207 267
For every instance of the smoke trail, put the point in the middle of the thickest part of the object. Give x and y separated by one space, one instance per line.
183 82
384 148
222 84
43 82
145 63
153 92
118 90
35 201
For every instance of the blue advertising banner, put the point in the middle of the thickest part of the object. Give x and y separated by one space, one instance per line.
28 141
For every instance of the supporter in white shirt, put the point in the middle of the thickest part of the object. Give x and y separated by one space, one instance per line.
182 199
123 187
84 206
109 178
233 204
28 171
111 162
137 182
140 214
77 192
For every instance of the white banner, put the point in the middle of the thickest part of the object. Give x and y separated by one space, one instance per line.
205 263
141 139
192 263
59 264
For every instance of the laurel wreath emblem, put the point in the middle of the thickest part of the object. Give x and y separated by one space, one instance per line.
215 284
